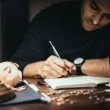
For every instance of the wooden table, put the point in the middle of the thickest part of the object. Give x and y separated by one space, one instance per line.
70 99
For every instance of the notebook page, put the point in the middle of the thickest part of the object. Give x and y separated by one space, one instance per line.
97 80
76 81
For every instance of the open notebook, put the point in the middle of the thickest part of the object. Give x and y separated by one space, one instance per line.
76 82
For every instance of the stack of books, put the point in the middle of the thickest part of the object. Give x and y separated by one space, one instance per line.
6 92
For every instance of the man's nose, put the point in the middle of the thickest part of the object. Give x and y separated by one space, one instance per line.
96 19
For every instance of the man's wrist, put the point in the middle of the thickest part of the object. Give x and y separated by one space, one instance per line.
78 64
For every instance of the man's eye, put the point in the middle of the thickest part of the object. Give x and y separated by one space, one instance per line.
94 5
107 16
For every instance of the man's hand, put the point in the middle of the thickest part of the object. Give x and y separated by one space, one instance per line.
55 67
9 73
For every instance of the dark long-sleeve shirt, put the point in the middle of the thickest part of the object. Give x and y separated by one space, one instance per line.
61 24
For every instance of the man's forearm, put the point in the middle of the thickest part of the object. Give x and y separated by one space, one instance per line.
97 67
33 69
92 67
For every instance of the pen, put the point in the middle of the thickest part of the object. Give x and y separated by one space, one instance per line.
54 49
56 52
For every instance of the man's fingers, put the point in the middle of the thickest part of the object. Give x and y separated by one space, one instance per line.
57 61
56 67
70 66
48 71
47 75
68 63
59 69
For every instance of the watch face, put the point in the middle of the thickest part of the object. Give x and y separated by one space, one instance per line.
78 61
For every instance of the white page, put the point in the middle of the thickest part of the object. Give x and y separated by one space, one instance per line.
76 81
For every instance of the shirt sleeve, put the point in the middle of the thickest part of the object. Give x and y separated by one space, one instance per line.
33 48
35 45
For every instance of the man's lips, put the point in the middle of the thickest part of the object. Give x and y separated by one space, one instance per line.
88 25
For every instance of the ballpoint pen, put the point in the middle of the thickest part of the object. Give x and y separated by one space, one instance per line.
56 52
54 49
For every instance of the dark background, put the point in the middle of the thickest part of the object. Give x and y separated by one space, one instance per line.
13 23
14 18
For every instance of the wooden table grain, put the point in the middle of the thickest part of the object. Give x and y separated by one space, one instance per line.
77 99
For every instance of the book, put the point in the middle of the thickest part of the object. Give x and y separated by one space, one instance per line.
30 94
76 82
6 92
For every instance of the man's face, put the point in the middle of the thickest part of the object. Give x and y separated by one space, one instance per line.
95 14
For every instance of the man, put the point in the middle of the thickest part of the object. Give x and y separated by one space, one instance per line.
9 73
77 29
